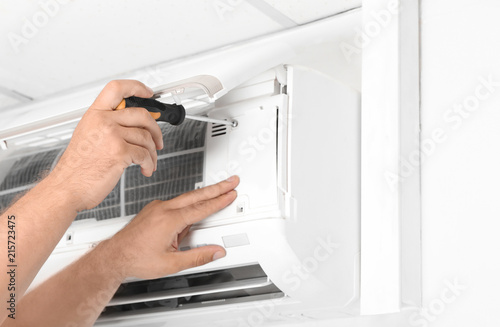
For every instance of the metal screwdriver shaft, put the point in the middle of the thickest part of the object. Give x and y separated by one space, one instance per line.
233 123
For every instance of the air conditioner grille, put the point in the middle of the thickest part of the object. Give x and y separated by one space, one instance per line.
218 129
196 290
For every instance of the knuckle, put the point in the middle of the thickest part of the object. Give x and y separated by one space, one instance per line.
109 128
145 114
156 202
116 145
123 153
200 206
160 209
113 86
154 205
146 136
200 259
141 135
143 155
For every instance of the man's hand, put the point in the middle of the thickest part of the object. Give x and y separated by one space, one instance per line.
148 246
106 142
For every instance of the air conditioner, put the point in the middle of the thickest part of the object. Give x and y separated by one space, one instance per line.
292 235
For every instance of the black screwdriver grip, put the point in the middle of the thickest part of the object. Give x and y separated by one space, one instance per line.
170 113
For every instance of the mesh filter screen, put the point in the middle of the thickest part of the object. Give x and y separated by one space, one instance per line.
109 208
180 167
189 135
6 200
175 175
27 170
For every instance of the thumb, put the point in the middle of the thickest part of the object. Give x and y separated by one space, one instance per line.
198 257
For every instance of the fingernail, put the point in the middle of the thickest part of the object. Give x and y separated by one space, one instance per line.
150 89
230 179
218 255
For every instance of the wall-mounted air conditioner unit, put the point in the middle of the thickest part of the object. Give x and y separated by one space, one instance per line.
292 235
287 235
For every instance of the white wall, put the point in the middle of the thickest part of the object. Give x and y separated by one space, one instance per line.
461 173
461 178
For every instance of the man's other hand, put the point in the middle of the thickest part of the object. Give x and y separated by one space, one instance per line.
148 246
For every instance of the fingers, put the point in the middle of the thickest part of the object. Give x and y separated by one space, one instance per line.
200 210
196 257
140 156
205 193
142 138
115 91
140 117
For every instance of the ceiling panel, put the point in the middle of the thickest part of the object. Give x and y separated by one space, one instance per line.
89 40
53 45
6 101
302 11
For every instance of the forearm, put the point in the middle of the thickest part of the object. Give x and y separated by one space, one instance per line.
73 297
103 145
39 220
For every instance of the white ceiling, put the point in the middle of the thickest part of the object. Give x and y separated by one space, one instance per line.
79 42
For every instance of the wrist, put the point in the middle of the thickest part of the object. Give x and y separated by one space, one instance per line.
60 183
111 260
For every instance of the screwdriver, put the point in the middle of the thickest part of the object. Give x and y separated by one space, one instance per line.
173 114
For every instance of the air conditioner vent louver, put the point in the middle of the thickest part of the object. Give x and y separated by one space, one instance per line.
218 129
233 285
